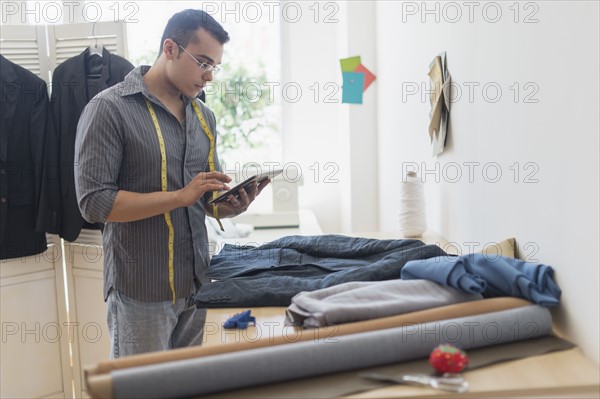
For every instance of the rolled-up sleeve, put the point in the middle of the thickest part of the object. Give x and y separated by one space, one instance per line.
98 158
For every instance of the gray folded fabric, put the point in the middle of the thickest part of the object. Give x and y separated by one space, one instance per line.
358 301
201 376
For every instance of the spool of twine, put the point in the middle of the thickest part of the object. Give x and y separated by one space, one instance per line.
411 219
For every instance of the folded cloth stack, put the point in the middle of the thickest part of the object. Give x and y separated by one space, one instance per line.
271 274
356 301
491 276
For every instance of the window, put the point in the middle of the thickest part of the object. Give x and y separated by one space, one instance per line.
243 95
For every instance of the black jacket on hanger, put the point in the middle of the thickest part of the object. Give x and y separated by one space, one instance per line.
74 83
29 191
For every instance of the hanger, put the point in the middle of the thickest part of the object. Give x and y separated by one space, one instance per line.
95 48
94 63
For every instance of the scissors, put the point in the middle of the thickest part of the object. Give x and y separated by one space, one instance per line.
447 382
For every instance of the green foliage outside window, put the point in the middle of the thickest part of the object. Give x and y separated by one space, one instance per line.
240 101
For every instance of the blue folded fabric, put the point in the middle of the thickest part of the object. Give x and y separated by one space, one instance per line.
240 320
273 273
491 276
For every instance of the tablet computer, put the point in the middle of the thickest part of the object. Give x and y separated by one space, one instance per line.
235 189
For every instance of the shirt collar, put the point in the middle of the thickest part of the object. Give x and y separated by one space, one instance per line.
134 83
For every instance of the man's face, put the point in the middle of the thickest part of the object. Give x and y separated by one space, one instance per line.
185 71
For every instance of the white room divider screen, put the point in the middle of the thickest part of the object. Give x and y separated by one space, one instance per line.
52 311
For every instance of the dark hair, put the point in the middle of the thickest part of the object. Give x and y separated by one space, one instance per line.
182 28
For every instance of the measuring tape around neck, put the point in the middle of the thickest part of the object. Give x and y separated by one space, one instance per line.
164 182
211 155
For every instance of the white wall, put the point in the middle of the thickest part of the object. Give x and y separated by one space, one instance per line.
551 204
333 143
310 125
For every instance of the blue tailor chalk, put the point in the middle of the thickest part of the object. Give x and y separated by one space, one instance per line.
240 320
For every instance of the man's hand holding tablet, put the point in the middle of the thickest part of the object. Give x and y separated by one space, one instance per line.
258 178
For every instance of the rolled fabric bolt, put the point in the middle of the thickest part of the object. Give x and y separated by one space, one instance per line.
273 364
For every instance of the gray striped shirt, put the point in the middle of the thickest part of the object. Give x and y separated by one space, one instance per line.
117 148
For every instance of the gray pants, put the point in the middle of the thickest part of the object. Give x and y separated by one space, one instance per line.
138 327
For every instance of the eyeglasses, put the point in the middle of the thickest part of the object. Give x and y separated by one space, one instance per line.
206 67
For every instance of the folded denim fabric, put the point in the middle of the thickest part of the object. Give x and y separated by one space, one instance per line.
492 276
270 275
357 301
302 256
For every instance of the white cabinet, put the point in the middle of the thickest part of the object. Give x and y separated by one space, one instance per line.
87 310
34 350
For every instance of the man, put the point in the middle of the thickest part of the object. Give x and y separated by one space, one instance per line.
146 164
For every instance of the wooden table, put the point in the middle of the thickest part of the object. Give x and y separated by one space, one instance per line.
556 375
